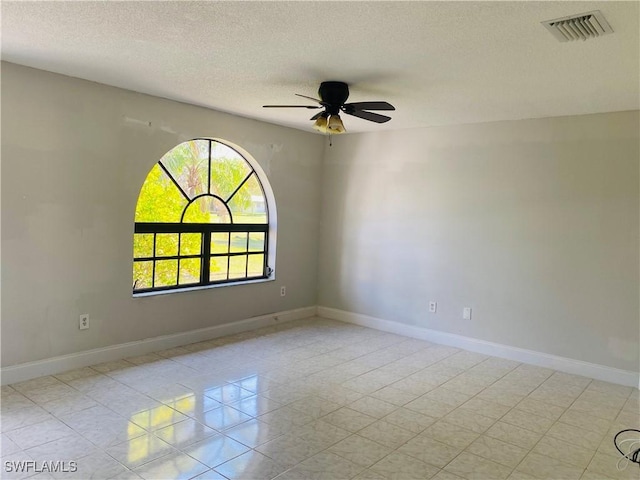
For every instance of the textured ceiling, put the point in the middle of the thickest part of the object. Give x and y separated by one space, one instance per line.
438 62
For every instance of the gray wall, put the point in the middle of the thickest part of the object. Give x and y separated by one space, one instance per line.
534 224
74 156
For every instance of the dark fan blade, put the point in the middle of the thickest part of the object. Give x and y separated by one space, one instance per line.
308 98
370 106
316 116
372 117
291 106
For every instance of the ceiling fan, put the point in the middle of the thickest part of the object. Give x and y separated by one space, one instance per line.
333 96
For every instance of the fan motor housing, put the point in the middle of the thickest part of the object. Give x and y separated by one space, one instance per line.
335 94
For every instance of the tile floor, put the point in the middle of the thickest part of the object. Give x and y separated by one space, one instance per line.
316 399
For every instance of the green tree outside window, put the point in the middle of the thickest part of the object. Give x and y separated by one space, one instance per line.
201 218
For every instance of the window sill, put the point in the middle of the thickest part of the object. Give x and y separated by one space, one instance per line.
272 278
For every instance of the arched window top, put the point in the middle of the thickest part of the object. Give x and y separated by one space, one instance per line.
202 181
202 218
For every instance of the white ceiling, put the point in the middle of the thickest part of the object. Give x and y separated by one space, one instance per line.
438 62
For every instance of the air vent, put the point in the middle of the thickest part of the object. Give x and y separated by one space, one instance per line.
579 27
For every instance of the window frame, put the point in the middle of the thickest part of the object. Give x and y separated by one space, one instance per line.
207 229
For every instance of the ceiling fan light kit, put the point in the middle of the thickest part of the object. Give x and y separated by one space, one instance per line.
321 123
335 125
333 96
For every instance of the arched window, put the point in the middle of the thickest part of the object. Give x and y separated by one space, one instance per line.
202 218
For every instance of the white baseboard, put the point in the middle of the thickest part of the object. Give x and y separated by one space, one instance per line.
63 363
563 364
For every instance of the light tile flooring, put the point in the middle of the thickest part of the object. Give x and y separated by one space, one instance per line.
316 399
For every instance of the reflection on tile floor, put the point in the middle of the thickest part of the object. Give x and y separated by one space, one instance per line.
315 399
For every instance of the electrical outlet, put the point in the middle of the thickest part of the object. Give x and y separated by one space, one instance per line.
283 291
83 323
433 307
466 313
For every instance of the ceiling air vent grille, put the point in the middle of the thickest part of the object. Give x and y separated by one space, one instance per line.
579 27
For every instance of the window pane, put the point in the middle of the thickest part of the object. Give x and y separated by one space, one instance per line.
188 164
238 266
256 266
190 243
228 170
142 245
219 243
166 273
142 273
207 210
218 268
239 242
208 185
256 242
159 200
189 271
166 244
248 204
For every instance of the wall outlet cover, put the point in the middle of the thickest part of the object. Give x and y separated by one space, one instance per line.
83 323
